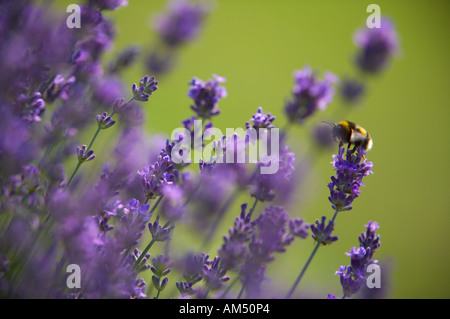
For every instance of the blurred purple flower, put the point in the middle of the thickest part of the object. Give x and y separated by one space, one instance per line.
352 90
265 185
377 46
158 232
181 23
309 94
234 250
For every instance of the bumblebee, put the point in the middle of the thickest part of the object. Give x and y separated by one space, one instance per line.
351 134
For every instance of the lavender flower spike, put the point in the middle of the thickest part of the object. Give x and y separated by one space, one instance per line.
377 46
181 24
322 233
344 187
309 94
104 121
352 277
159 233
156 176
206 96
84 156
147 86
261 120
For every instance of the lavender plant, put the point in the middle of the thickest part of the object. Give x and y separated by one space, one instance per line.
107 220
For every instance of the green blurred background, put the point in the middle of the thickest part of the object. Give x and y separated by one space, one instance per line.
256 45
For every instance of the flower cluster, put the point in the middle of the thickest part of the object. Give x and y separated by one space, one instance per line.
272 232
147 86
353 277
180 25
265 185
309 94
206 96
344 187
55 87
154 177
377 45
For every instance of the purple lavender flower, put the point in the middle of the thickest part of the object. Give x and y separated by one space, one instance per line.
265 185
32 107
161 266
173 208
352 277
160 63
271 235
352 90
156 176
298 228
103 219
83 155
129 231
344 187
261 120
16 145
206 96
214 274
106 90
322 232
59 88
234 250
161 269
181 24
377 46
125 58
370 240
322 134
138 289
147 86
158 232
309 94
198 267
351 280
104 121
133 257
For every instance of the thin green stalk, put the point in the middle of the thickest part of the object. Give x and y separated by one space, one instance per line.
138 261
73 174
240 293
229 287
157 295
87 149
302 272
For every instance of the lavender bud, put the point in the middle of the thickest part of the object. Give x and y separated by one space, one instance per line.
84 156
104 121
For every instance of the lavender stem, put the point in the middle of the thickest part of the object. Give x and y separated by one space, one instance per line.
309 260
